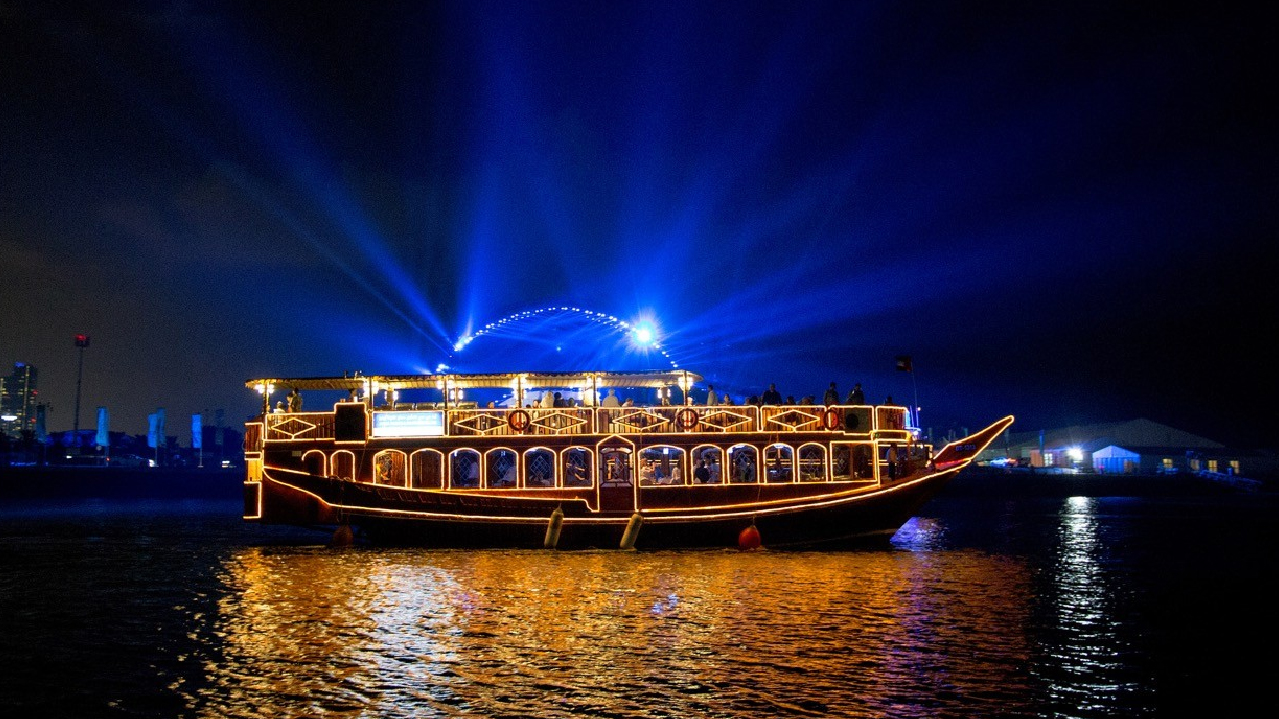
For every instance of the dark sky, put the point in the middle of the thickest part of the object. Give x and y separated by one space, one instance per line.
1062 211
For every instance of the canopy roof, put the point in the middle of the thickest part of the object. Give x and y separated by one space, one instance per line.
527 380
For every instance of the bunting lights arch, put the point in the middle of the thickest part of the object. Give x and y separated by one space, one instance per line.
642 333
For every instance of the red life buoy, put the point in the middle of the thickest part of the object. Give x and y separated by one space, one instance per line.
831 418
748 538
519 420
687 418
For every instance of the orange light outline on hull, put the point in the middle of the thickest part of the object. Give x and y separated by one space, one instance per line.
749 510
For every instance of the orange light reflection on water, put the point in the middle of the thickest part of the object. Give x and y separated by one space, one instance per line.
386 632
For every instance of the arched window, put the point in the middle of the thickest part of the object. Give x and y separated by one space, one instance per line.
464 468
615 466
743 463
863 462
427 468
389 468
812 463
663 465
342 464
539 468
576 467
779 460
501 468
841 462
314 462
714 459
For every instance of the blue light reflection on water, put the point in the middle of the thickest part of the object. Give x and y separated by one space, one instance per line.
1029 608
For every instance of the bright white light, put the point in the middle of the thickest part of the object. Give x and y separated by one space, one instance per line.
1076 453
643 335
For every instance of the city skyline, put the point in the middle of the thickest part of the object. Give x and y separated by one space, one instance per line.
1060 213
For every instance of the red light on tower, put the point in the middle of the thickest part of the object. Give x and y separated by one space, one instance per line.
82 340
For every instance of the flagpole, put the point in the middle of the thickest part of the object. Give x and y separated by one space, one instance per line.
915 386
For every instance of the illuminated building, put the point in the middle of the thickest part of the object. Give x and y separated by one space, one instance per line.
18 400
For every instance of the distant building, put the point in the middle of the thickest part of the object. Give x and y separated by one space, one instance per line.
1137 446
18 396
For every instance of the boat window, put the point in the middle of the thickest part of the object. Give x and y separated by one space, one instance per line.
863 466
464 468
314 462
428 469
812 463
615 467
388 468
778 463
343 464
577 467
662 465
502 469
539 468
714 459
841 462
744 461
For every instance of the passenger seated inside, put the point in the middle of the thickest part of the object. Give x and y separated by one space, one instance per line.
702 475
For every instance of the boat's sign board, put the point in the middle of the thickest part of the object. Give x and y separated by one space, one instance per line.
417 423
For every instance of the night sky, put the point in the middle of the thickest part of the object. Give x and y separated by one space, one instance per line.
1061 211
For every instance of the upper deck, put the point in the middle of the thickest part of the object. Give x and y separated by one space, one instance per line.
416 421
372 410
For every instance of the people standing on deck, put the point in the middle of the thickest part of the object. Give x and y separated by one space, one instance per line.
610 400
832 395
279 407
771 395
559 401
856 395
295 400
548 400
711 397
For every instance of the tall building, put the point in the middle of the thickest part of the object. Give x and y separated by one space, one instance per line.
18 399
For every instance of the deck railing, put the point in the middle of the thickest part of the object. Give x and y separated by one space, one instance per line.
888 422
298 426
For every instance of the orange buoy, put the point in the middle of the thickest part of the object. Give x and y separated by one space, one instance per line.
748 538
342 536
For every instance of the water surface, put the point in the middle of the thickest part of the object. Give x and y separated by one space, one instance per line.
1039 608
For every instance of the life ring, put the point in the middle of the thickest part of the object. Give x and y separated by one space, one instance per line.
519 420
687 418
831 418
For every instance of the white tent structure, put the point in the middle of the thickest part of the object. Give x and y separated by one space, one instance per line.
1116 460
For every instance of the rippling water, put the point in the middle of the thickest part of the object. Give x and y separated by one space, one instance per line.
983 608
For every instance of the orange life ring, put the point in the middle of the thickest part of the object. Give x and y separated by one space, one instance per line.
519 420
831 418
687 418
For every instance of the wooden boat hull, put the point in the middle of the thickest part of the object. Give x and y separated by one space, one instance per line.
441 519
